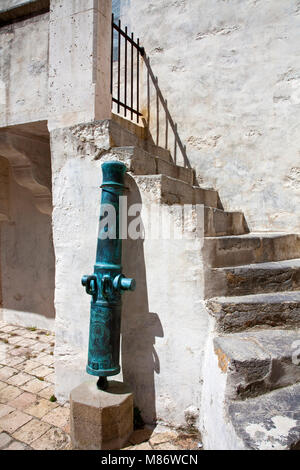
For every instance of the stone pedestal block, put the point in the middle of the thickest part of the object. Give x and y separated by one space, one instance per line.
101 420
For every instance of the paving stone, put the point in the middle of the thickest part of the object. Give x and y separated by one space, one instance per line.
31 431
40 408
15 340
23 401
187 441
27 343
58 417
9 393
28 366
34 386
10 423
51 378
19 351
9 328
163 437
54 439
15 362
19 379
15 445
47 339
20 331
5 410
5 439
166 446
38 347
42 371
3 385
47 392
4 335
46 360
29 335
144 446
7 372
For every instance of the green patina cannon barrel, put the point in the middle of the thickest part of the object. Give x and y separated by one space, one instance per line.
107 283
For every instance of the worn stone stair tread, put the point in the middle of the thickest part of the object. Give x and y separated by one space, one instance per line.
251 248
254 235
268 266
141 162
219 222
239 313
270 421
269 297
254 278
248 345
175 191
259 361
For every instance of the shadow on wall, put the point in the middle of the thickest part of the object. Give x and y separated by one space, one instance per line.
27 257
140 327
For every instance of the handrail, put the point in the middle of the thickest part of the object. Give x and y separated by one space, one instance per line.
169 120
128 105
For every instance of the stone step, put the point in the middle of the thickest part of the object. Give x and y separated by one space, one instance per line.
140 162
257 362
219 223
250 248
122 133
270 421
278 276
235 314
164 189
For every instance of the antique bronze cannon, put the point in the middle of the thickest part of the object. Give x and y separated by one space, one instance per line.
107 283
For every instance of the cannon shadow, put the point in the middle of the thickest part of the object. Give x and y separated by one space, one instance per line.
140 327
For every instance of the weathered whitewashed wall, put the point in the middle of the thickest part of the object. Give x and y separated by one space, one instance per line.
27 262
164 322
24 71
8 4
230 71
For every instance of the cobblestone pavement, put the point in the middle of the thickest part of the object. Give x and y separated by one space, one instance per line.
31 418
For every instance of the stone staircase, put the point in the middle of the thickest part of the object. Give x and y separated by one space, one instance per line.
252 292
253 295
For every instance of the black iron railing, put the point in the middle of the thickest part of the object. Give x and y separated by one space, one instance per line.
125 87
130 77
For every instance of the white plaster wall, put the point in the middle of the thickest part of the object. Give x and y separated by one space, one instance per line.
164 322
230 71
79 62
216 428
24 71
27 263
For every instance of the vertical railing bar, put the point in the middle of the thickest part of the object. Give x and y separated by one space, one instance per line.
138 81
112 55
125 90
132 37
184 157
157 116
148 101
150 76
167 127
175 145
119 66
